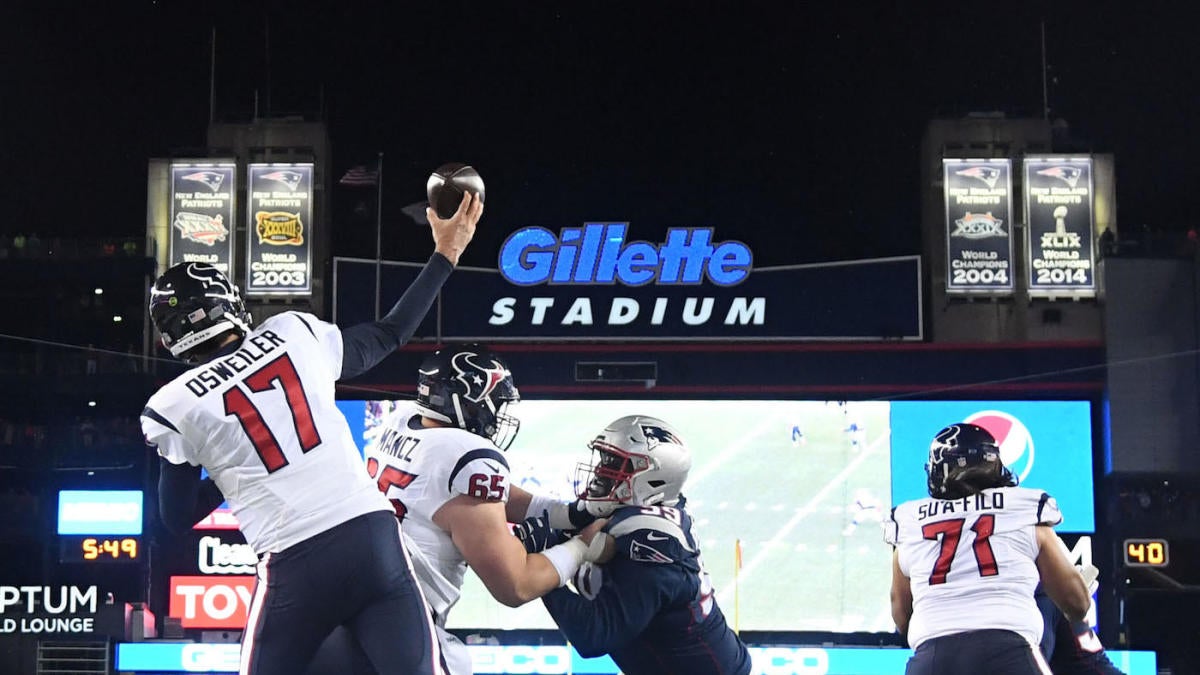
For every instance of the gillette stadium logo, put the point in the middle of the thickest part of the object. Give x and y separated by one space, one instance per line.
597 253
1013 437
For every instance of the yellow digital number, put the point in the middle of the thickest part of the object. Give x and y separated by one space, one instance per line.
1154 553
129 546
90 552
1137 552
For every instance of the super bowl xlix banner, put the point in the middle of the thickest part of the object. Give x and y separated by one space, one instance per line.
279 229
202 194
1058 210
979 249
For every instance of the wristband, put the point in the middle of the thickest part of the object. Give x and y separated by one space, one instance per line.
566 558
558 513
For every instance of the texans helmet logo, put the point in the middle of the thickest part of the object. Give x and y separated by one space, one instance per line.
211 277
1012 436
1067 174
479 379
988 174
213 180
291 179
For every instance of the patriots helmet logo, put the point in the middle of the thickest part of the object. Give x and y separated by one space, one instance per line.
1067 174
213 180
290 179
479 379
988 174
655 435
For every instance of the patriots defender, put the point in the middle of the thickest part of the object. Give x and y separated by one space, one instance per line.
1071 647
257 411
652 606
440 460
967 559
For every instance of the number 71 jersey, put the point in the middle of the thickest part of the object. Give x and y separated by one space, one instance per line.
971 561
263 421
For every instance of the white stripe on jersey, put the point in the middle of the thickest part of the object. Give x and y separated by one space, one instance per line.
260 594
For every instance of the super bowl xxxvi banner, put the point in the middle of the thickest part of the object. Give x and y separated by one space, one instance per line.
279 229
1058 210
202 195
979 250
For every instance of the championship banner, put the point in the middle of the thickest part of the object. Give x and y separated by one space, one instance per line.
1059 214
979 248
279 229
202 194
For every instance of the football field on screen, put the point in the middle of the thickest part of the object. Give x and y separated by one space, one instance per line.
788 478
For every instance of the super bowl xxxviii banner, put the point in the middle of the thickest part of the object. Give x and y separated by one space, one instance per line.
202 193
279 229
1046 444
1058 210
979 250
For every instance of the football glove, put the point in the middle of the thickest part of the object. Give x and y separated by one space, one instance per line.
537 535
588 579
582 512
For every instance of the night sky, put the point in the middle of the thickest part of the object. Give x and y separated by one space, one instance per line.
792 126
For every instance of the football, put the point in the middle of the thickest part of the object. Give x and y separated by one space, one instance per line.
446 185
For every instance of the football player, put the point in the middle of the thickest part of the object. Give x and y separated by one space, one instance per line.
1071 647
651 606
967 559
440 460
257 411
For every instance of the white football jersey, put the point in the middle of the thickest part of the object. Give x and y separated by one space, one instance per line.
420 469
971 561
264 423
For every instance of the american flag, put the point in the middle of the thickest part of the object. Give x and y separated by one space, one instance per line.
360 175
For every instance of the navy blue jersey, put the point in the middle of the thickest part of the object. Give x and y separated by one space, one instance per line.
1071 648
655 611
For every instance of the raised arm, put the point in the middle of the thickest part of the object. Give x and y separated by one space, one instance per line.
1060 579
366 344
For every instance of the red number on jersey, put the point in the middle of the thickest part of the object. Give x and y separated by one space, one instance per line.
238 403
950 532
389 477
487 486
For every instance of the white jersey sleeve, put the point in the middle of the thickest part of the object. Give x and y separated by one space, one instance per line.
481 473
972 561
328 338
162 433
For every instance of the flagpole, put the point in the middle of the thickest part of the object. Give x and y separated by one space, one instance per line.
378 232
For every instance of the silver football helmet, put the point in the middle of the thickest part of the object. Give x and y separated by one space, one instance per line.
638 461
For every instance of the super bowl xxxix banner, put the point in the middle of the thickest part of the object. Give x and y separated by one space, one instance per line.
1058 210
979 250
279 229
202 194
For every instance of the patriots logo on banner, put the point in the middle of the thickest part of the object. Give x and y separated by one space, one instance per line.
1067 174
639 552
478 386
211 179
988 174
291 179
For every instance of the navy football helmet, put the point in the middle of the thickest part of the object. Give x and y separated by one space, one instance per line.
469 387
192 303
964 459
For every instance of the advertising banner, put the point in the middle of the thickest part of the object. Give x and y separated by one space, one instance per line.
1059 215
979 248
211 601
202 212
99 512
1046 444
279 229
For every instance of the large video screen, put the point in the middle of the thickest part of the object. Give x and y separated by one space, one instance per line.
803 485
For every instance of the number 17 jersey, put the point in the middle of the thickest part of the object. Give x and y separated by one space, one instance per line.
263 421
972 561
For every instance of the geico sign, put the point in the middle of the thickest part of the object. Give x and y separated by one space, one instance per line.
211 602
210 658
217 557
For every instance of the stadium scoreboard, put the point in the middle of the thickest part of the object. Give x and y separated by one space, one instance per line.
1146 553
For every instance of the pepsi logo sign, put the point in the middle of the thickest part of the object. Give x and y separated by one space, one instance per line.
1013 437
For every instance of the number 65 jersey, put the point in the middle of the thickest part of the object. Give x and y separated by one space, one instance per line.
971 561
262 420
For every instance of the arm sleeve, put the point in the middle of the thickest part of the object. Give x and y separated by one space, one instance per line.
366 344
183 497
620 612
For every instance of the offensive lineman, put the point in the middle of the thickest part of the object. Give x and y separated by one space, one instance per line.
440 460
967 559
651 606
257 411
